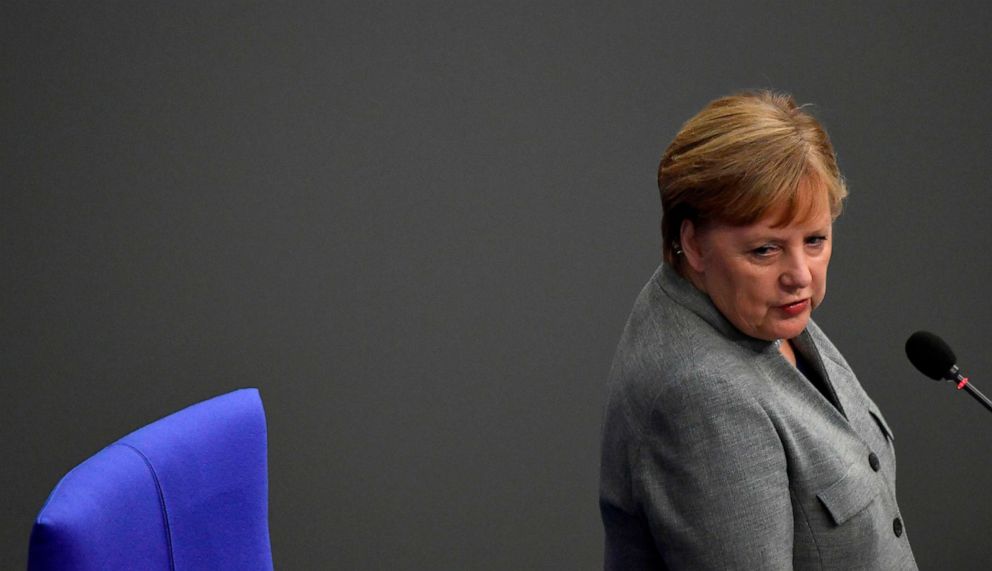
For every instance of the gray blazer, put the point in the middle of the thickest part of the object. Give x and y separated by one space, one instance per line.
719 454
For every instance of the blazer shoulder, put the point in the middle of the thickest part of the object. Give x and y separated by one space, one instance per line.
670 358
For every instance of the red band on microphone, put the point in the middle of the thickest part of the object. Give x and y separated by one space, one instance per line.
963 382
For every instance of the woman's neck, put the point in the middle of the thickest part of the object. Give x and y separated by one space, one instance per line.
787 351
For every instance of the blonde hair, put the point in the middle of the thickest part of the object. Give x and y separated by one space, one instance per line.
742 157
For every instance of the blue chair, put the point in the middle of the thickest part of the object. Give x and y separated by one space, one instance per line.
189 491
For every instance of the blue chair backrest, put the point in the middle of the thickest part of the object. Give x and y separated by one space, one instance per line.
189 491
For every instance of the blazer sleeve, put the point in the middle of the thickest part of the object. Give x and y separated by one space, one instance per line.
711 479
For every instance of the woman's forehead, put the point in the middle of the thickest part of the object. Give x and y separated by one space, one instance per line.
773 225
807 210
809 200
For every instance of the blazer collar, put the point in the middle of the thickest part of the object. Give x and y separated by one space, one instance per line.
686 295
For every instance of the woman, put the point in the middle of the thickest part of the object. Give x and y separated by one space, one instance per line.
736 436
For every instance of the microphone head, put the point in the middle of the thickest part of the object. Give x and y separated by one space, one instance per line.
930 354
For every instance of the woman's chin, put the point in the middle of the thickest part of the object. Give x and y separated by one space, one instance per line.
790 328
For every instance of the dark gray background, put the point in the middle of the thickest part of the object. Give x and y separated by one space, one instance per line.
419 227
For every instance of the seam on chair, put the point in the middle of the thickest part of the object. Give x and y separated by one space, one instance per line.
161 501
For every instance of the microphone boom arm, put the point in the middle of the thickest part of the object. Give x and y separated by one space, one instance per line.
978 396
962 381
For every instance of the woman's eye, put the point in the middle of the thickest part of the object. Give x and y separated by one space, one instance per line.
763 251
816 241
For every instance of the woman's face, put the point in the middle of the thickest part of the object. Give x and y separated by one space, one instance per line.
765 280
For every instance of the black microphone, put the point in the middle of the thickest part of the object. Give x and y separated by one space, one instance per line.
935 359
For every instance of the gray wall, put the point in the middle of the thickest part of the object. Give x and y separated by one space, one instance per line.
418 228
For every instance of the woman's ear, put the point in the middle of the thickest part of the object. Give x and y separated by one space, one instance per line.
691 247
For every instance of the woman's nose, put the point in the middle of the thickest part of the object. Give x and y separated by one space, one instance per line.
796 273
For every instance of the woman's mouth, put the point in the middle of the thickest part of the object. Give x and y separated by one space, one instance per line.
795 308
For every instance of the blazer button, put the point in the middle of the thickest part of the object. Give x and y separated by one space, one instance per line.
897 527
873 462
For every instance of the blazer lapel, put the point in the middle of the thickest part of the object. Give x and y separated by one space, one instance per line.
808 350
